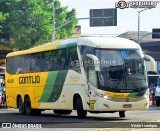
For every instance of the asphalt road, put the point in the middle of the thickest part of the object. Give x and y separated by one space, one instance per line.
105 120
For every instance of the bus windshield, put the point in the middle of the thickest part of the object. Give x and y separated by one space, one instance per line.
121 70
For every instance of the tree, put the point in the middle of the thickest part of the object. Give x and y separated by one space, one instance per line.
29 22
2 18
62 16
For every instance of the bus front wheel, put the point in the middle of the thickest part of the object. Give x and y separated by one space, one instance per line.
79 107
21 106
122 113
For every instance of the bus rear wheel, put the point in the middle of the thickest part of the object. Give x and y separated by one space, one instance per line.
21 106
29 110
122 114
79 107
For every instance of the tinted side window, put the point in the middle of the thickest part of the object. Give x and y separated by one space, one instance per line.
36 62
73 61
86 50
9 65
60 59
17 63
55 60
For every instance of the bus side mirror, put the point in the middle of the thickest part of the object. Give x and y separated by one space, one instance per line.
95 60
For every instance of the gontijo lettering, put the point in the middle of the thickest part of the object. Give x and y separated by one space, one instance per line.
29 79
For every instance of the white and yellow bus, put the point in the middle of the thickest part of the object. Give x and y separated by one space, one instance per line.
97 75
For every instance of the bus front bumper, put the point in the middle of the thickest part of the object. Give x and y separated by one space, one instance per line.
108 105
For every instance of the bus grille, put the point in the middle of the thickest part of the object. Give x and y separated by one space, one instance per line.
126 99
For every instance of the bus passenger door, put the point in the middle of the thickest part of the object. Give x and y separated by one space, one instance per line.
92 83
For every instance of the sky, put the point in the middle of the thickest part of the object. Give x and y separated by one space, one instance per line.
127 19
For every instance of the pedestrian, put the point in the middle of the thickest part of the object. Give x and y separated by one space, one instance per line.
0 97
152 92
3 94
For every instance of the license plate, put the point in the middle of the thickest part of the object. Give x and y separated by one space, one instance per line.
127 106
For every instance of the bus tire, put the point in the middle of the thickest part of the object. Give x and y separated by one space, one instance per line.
122 114
60 112
21 106
29 110
79 107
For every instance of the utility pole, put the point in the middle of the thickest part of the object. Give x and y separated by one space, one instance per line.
53 32
139 22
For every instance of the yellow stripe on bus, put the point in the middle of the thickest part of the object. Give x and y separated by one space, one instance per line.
116 95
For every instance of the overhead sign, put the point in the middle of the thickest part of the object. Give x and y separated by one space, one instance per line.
156 33
103 17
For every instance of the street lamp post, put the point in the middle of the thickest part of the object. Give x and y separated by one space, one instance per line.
53 32
139 22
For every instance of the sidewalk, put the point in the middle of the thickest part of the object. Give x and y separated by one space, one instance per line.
3 106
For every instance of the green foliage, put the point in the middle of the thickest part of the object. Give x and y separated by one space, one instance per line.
2 18
27 23
62 16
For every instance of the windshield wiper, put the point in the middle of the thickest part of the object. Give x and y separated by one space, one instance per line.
130 78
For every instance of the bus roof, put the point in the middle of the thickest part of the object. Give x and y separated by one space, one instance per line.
99 42
110 43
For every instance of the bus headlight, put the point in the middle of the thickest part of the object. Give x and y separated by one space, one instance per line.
106 97
99 95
